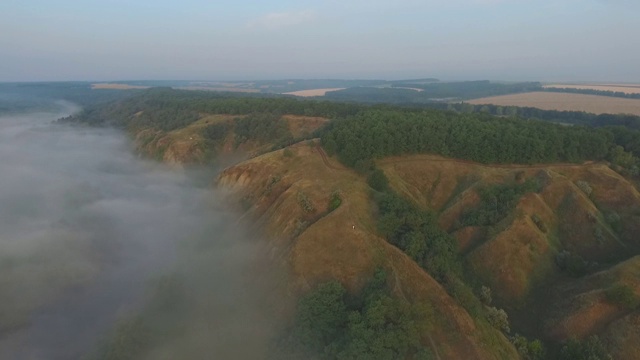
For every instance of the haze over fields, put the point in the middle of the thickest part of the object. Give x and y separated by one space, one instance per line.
554 40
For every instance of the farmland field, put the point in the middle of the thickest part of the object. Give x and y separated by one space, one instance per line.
312 92
625 88
565 102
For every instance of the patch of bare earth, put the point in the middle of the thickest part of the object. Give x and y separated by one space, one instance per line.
313 92
566 102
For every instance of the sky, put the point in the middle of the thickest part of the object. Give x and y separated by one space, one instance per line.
110 40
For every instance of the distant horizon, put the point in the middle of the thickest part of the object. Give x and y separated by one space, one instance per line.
444 80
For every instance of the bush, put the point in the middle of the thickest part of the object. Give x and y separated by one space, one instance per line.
335 201
305 203
573 264
499 319
623 295
288 153
498 202
529 350
588 349
539 223
485 295
585 187
378 181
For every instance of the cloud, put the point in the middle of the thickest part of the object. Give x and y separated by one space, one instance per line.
276 20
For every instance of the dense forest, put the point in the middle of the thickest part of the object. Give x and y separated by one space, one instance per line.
477 137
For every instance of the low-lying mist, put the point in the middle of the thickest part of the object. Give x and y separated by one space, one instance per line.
104 255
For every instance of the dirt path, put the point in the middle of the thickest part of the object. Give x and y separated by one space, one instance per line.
325 159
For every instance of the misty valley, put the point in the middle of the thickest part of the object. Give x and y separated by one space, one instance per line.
93 238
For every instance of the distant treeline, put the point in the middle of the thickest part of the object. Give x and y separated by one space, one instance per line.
167 109
20 97
470 89
400 93
564 117
619 94
438 94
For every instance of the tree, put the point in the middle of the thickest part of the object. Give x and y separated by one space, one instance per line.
321 315
378 181
588 349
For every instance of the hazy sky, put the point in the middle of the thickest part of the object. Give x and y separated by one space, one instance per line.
241 39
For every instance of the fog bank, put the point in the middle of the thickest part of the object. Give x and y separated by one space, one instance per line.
85 228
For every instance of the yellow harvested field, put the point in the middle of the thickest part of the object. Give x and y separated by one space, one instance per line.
625 88
117 86
566 102
312 92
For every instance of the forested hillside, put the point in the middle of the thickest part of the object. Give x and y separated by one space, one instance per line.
359 133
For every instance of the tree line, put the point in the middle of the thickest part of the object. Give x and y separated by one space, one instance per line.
477 137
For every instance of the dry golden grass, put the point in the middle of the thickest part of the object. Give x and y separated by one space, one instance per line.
343 244
115 86
519 257
566 102
514 262
304 125
623 335
628 89
313 92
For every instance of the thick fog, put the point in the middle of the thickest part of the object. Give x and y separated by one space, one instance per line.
86 227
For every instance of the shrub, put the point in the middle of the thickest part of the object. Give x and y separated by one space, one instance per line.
335 201
378 181
288 153
498 318
529 350
573 264
585 187
539 223
623 295
485 295
305 203
589 349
